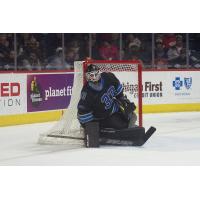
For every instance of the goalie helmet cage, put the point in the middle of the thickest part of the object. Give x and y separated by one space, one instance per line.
67 130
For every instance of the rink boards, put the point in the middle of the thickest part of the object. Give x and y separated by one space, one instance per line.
41 97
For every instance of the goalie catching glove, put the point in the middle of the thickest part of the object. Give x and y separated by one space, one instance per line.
126 107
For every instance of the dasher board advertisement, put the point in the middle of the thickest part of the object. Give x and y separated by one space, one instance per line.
13 95
49 91
168 87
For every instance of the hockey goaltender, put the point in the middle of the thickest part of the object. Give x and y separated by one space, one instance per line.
106 114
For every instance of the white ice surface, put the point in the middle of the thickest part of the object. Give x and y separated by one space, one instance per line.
176 142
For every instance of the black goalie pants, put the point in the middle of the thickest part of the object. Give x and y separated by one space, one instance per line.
117 121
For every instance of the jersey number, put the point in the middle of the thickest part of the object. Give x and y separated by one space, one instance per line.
107 97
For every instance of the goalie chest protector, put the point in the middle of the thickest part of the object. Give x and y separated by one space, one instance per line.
101 102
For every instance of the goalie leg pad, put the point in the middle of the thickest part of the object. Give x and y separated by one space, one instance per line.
92 134
129 134
128 137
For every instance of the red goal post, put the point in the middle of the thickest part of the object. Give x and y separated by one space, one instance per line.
119 66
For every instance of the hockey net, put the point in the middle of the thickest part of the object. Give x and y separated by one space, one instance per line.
68 130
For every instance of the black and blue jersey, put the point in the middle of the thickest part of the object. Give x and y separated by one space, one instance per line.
99 102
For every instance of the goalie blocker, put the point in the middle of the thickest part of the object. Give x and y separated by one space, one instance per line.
136 136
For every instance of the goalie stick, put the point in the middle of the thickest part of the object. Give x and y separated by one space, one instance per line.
147 135
128 139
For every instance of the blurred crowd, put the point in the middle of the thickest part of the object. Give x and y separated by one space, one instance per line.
56 51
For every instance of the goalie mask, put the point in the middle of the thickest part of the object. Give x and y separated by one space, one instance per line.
93 74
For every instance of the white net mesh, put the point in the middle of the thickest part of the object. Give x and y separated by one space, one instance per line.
67 130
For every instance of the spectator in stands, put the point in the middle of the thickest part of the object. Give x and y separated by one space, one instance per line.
173 54
74 46
132 48
105 37
29 61
4 50
23 63
169 40
177 53
10 61
115 39
135 52
131 40
160 54
146 49
34 61
95 48
108 51
194 58
33 46
179 42
69 59
29 53
180 61
10 40
55 62
50 43
159 36
135 57
84 47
